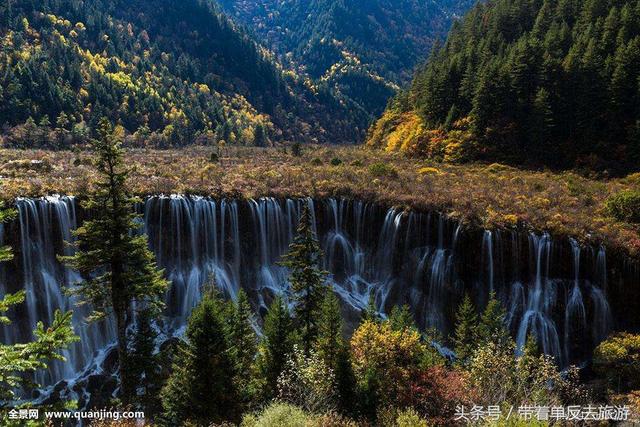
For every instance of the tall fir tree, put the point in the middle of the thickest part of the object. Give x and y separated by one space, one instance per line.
401 319
370 312
492 327
368 395
330 339
117 266
201 389
307 278
276 345
143 364
332 348
260 136
30 132
243 346
465 335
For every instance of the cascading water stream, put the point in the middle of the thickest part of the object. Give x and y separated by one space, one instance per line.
575 314
487 255
602 318
424 260
537 319
44 226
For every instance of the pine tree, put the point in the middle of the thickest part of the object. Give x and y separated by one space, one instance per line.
19 360
117 265
43 131
370 312
142 362
30 132
346 382
332 348
401 319
465 338
260 136
369 395
277 344
492 327
243 342
330 340
201 389
306 278
62 125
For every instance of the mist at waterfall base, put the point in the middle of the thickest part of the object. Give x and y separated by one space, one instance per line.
571 297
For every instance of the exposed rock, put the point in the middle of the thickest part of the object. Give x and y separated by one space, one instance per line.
110 363
96 391
60 390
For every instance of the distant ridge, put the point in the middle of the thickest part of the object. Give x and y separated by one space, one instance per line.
170 72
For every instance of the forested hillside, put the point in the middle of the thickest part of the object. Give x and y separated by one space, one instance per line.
538 82
361 49
170 72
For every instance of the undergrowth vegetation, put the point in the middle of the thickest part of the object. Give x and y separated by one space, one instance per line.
488 195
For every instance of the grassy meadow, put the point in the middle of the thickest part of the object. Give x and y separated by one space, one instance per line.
487 195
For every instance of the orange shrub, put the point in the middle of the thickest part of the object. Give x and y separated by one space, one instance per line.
434 393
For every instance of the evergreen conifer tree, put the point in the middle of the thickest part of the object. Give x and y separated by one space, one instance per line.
43 131
277 344
243 342
402 319
142 362
201 388
30 132
117 266
334 351
370 312
260 136
492 327
330 340
306 278
465 338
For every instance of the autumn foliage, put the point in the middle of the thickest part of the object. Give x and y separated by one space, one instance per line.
435 392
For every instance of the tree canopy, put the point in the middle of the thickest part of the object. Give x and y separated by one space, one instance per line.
534 82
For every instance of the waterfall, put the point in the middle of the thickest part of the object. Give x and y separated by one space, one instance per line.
487 256
198 241
44 225
575 315
437 265
537 319
602 318
424 260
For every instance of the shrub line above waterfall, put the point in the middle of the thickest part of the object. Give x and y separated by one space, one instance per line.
486 196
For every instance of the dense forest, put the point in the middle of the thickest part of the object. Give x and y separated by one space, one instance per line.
534 82
361 50
170 73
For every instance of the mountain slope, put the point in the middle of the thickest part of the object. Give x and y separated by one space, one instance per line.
170 72
538 82
362 49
